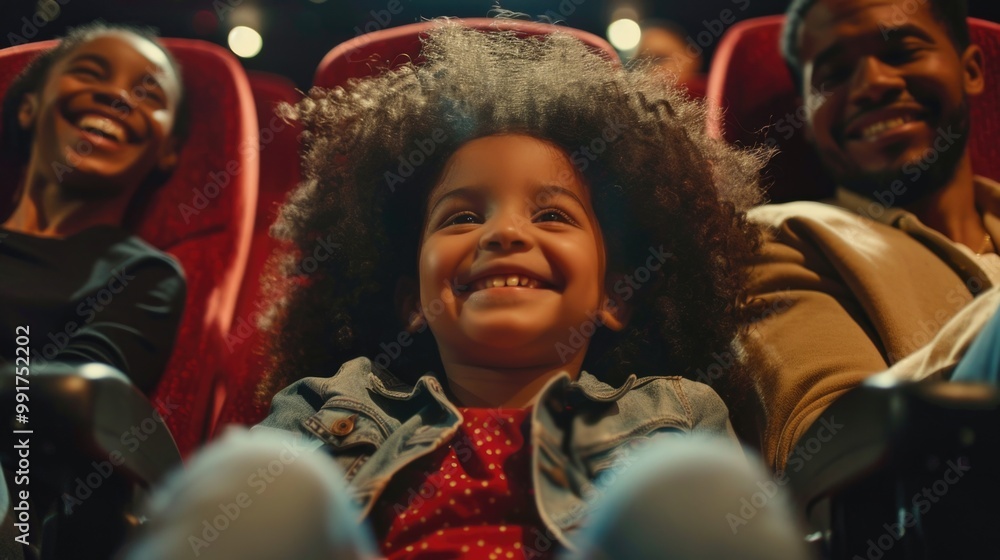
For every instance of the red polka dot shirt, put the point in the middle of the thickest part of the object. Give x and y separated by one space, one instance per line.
471 499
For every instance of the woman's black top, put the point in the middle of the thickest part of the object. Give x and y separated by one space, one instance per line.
102 295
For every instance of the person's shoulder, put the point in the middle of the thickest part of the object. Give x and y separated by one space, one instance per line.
689 394
811 223
135 251
775 215
696 402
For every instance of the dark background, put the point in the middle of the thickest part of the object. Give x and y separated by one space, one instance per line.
297 33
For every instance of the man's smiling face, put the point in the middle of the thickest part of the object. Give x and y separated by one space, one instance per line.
894 83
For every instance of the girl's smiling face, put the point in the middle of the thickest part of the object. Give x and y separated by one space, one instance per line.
511 262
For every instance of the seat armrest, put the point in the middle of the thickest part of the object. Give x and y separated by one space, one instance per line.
83 414
883 423
877 464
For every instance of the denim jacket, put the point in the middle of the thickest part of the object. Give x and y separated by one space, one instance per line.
374 425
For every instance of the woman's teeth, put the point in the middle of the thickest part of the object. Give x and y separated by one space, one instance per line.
103 126
507 280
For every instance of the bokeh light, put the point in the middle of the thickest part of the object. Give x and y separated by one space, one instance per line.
245 41
624 34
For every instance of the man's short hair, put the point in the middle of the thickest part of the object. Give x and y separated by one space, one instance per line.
952 13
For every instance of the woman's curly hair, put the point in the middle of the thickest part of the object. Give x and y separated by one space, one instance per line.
661 184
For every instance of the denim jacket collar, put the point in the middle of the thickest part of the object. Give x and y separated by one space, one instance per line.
384 383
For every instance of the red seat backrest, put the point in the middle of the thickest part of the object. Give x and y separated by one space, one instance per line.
279 173
750 88
359 57
203 216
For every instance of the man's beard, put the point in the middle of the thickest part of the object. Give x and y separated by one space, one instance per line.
916 179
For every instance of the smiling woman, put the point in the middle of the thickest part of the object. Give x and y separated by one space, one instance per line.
93 120
95 124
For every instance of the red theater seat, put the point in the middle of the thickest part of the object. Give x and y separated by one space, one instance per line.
750 87
395 46
203 216
279 173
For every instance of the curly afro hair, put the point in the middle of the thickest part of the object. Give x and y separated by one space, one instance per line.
661 184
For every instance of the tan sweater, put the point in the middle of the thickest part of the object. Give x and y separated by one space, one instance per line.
848 296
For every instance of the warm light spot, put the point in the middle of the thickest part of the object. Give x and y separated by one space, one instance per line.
624 34
246 42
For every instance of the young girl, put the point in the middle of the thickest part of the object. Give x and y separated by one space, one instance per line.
531 247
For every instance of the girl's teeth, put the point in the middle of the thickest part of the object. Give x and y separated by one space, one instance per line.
511 281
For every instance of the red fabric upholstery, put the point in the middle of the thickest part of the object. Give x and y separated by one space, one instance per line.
395 46
985 116
207 229
750 88
279 173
